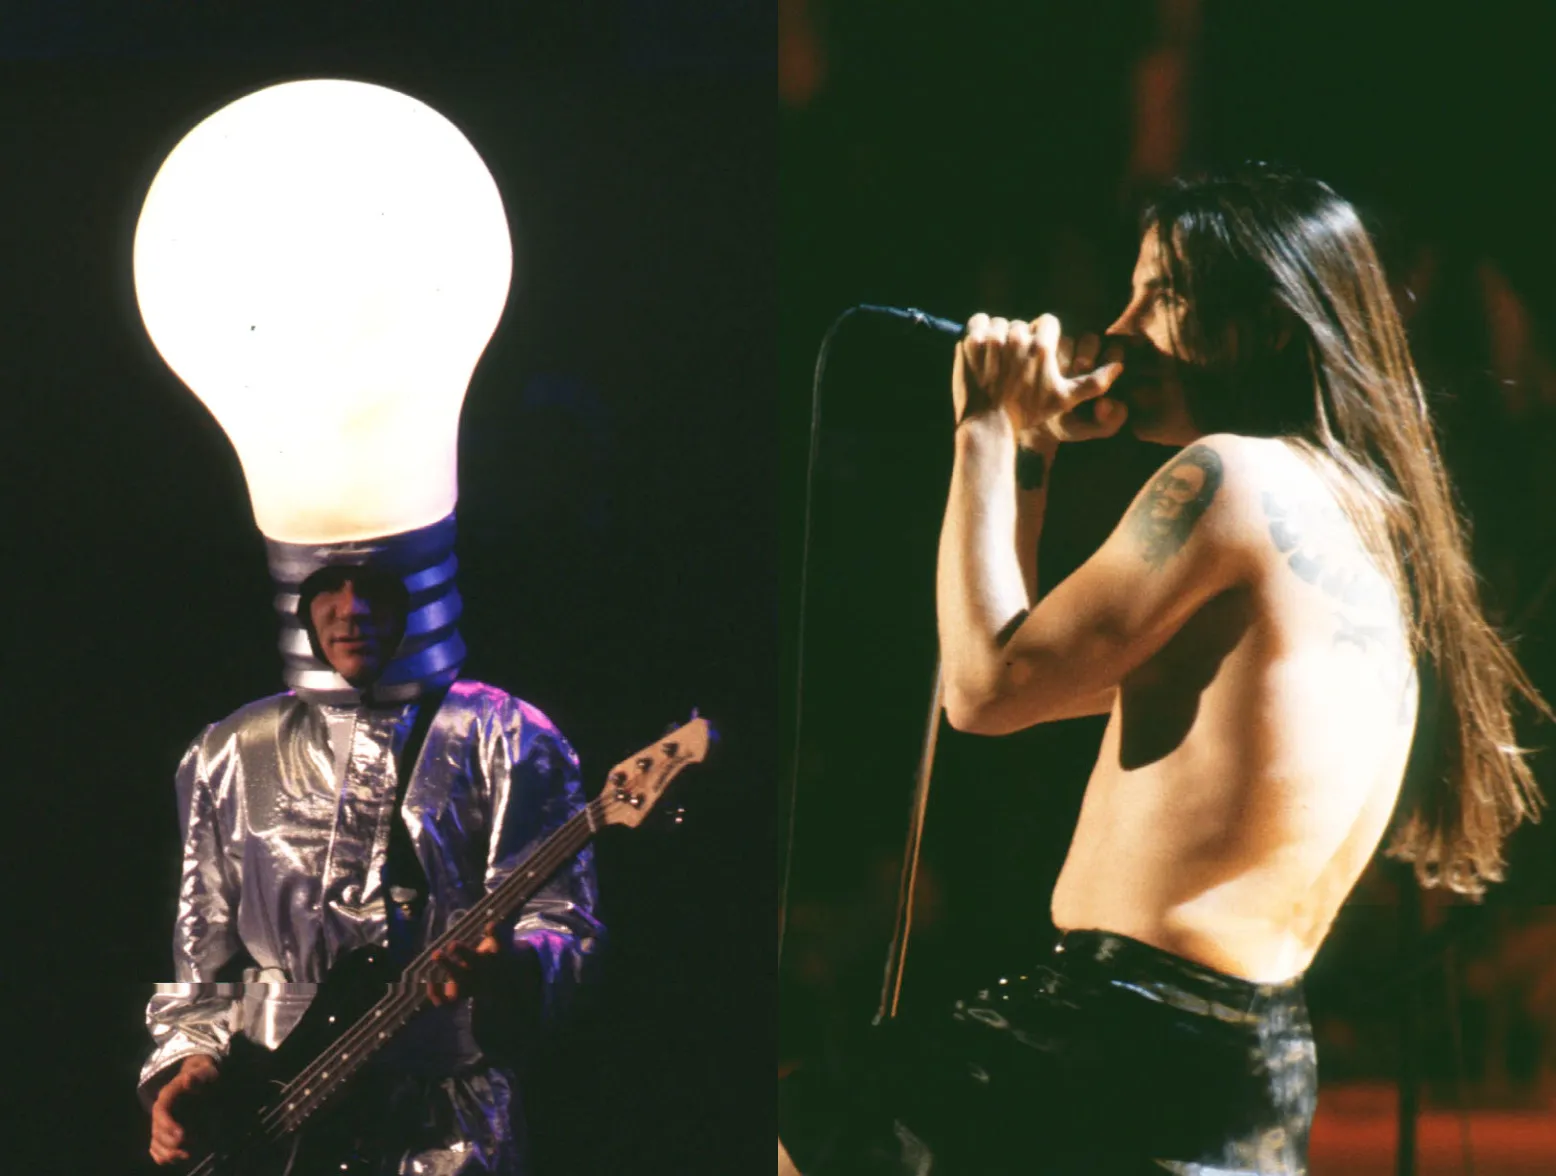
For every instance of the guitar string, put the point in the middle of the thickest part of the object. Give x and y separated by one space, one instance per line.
407 1000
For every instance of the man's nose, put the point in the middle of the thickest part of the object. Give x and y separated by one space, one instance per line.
352 603
1124 324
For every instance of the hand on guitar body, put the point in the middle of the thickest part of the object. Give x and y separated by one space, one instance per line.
176 1112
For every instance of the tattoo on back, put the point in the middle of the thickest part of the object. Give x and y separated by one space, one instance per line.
1303 531
1321 550
1163 519
1031 469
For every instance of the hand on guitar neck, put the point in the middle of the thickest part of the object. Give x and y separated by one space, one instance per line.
175 1116
488 973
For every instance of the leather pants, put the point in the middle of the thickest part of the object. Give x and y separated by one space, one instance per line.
1110 1057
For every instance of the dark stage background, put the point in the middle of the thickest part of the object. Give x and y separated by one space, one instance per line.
617 523
991 156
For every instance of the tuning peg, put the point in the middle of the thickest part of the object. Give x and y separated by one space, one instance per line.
670 727
696 714
673 817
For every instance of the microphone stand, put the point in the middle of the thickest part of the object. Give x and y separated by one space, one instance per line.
897 954
1409 1077
892 985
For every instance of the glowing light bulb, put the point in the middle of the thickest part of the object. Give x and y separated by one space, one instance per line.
323 262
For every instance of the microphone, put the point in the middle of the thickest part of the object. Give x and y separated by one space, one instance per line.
1134 352
918 317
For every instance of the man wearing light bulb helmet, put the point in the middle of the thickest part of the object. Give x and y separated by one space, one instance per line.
380 797
291 848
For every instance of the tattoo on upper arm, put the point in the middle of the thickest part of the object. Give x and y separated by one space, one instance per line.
1031 469
1173 503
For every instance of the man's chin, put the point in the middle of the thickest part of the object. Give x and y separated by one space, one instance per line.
1156 417
1145 421
359 673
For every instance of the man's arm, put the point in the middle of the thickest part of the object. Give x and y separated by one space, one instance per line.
190 1019
521 977
1009 663
1007 372
1034 465
191 1015
536 791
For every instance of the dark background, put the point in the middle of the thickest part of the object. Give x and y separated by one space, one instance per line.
993 156
617 519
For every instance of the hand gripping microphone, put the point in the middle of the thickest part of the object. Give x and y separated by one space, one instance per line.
1121 347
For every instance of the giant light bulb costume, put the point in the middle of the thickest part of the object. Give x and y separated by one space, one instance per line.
322 263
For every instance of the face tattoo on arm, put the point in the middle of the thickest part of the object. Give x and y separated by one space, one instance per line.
1174 502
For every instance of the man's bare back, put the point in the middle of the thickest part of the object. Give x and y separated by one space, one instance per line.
1251 764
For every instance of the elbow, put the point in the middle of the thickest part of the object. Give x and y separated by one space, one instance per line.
972 712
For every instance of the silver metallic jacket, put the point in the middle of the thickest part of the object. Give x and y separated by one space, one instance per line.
285 810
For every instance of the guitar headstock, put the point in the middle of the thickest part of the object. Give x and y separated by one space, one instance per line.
636 783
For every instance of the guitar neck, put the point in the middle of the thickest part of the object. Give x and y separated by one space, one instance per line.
506 899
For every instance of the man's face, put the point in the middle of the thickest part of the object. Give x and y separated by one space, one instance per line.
1155 320
358 629
1175 489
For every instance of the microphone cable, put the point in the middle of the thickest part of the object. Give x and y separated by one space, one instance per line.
920 318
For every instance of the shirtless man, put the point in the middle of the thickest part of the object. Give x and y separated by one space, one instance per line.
1252 627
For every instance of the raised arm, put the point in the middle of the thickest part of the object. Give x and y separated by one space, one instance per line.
1010 661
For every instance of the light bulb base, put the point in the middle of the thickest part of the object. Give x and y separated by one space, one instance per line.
431 651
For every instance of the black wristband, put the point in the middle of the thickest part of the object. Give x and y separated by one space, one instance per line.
1031 468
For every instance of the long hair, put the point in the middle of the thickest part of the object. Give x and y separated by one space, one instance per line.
1289 306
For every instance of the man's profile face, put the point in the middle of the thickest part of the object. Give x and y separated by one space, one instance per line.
1155 320
358 625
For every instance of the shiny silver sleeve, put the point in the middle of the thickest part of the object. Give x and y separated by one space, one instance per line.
195 1015
535 790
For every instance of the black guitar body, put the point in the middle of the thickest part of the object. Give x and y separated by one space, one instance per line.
250 1091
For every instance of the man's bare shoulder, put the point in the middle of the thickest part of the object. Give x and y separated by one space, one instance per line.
1289 509
1210 492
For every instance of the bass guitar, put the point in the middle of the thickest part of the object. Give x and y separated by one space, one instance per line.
265 1097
